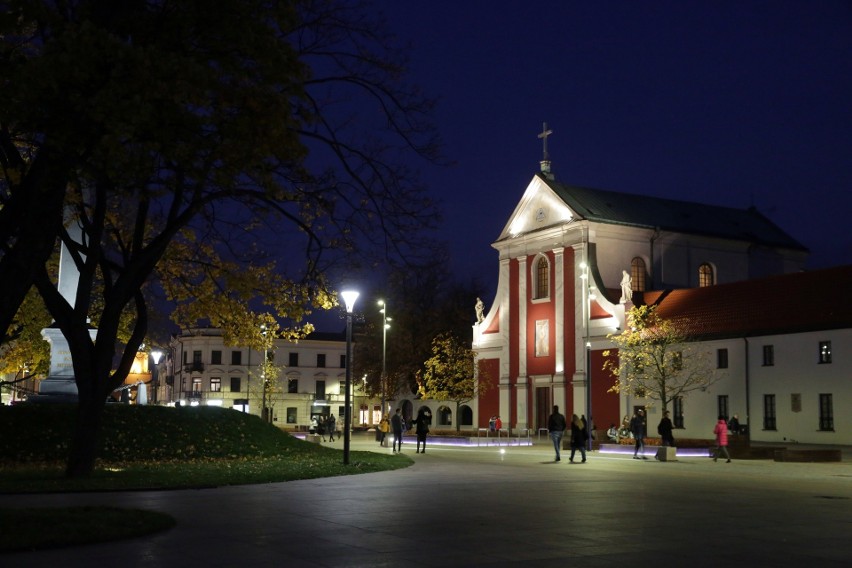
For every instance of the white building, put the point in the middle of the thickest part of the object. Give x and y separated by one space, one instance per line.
201 369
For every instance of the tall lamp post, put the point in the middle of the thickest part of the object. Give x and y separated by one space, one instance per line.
155 373
349 297
385 327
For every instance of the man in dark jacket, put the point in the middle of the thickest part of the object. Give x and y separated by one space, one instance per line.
639 427
556 425
398 425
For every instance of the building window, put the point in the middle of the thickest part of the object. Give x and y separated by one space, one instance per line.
292 414
824 352
236 357
343 361
342 387
270 356
637 274
826 413
293 386
769 412
722 406
320 386
215 384
235 384
768 355
294 360
721 358
216 357
542 278
320 359
677 360
705 276
677 407
196 384
341 413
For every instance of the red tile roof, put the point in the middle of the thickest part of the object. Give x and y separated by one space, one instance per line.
789 303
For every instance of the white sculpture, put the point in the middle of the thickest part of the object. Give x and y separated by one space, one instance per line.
626 287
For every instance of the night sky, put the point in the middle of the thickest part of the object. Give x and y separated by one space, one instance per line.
734 103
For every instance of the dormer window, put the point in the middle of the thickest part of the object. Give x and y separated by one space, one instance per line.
706 277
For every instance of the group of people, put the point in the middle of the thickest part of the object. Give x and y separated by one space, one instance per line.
557 426
324 425
637 429
399 426
495 424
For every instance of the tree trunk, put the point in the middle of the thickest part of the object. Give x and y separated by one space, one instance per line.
86 437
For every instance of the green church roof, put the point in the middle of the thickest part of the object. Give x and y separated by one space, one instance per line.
633 210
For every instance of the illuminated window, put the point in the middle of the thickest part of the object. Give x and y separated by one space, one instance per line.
196 384
637 274
542 278
215 384
705 275
824 352
292 414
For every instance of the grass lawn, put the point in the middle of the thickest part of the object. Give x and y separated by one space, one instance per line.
148 447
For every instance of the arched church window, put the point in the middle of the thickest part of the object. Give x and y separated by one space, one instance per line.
706 276
542 278
637 274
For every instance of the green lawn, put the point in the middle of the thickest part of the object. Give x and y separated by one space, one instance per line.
148 447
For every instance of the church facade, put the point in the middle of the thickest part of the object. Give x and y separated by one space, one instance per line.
573 260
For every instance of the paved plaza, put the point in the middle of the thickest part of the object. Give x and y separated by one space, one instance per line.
493 506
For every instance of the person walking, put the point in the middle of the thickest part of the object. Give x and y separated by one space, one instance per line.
331 426
664 429
321 426
421 423
639 428
734 425
384 428
398 425
579 437
721 431
556 426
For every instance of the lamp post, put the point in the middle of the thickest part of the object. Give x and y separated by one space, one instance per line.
156 354
349 297
385 327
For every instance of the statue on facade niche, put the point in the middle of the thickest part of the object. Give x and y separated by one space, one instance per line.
626 287
480 311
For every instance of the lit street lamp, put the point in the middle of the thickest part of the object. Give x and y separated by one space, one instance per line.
385 327
156 354
349 297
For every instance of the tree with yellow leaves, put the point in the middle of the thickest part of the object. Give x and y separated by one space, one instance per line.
448 375
655 360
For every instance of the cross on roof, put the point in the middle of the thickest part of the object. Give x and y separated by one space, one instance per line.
544 134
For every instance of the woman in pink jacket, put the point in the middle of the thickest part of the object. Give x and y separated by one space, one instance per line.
721 431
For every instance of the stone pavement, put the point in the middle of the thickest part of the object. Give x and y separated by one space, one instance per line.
493 507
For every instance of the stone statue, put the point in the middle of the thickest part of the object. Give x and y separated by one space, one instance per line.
626 287
480 311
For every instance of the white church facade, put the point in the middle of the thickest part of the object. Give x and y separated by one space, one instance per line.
572 260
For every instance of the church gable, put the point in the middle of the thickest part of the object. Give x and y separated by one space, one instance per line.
539 208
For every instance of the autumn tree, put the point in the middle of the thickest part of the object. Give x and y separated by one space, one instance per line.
250 127
655 360
449 374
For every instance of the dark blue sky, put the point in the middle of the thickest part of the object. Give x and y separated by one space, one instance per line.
732 103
